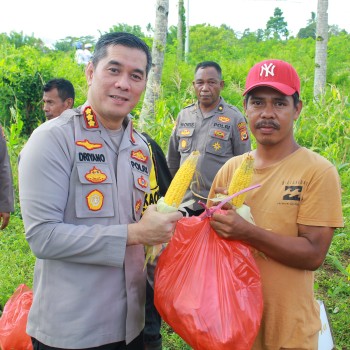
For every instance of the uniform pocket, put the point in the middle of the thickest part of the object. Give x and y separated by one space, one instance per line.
94 191
218 146
185 141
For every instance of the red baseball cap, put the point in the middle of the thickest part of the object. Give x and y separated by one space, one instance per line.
277 74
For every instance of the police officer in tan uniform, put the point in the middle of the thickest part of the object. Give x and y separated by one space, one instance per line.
82 180
211 126
6 185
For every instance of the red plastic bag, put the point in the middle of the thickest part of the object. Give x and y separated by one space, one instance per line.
13 321
208 289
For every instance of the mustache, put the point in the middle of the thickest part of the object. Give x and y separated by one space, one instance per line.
267 124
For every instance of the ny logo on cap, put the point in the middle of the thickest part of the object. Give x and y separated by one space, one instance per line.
268 69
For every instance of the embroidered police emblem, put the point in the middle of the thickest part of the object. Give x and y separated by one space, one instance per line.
138 155
219 133
90 118
242 127
88 145
95 200
216 146
95 175
224 119
185 132
142 182
138 205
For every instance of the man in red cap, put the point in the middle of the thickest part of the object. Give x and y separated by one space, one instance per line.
296 209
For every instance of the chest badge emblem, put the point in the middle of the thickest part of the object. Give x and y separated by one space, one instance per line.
95 200
95 175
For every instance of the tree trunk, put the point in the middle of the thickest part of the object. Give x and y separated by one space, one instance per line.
155 75
321 48
187 38
180 31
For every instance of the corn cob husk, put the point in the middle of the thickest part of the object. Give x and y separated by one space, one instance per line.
174 196
241 179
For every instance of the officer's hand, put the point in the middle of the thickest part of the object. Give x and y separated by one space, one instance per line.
4 218
153 228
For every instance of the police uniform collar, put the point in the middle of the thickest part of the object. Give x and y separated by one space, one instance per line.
218 108
128 125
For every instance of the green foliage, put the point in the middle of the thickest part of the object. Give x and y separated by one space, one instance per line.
23 73
122 27
322 126
310 30
330 134
276 26
19 40
68 44
19 259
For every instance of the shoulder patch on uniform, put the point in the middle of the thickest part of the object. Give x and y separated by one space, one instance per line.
243 132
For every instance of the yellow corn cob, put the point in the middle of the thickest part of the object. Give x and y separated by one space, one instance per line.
241 179
181 181
173 197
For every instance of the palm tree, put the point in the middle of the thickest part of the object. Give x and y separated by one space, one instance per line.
181 30
158 50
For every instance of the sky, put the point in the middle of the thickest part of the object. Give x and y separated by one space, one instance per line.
52 21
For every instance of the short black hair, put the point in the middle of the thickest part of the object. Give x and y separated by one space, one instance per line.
206 64
124 39
64 87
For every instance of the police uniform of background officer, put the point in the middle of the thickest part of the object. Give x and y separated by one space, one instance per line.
217 135
85 193
6 185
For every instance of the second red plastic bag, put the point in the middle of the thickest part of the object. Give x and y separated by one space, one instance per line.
208 289
13 321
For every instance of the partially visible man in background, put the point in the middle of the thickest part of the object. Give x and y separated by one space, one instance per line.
87 54
79 53
58 96
6 185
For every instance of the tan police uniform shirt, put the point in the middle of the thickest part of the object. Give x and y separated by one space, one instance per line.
217 136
